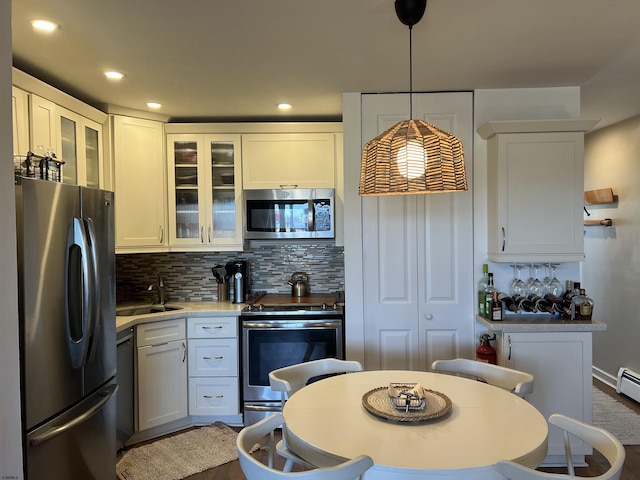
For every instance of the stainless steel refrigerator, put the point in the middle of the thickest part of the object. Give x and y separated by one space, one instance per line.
66 275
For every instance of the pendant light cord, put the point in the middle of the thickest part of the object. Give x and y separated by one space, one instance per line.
410 74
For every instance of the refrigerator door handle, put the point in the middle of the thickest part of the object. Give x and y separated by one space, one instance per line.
54 431
93 322
78 294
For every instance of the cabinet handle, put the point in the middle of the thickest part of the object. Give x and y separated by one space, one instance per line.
161 234
504 238
184 352
206 327
212 358
213 396
288 186
209 233
201 234
509 340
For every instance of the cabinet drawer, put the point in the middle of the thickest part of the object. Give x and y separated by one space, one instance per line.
212 327
160 332
213 357
214 396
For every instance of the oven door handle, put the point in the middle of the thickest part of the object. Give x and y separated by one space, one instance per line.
295 324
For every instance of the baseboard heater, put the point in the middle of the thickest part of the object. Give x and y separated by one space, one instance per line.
629 383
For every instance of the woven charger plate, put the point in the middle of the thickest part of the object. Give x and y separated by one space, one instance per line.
378 402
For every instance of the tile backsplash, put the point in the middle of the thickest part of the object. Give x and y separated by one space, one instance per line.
188 276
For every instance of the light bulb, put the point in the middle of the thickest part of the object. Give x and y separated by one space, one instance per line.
409 159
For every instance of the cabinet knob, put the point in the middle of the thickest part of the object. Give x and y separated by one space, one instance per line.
428 316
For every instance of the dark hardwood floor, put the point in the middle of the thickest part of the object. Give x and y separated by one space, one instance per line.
597 463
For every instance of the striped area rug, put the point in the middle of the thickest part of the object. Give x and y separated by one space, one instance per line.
616 417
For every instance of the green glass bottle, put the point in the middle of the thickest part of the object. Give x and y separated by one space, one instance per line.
482 285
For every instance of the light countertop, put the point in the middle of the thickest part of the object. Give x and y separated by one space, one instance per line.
188 309
540 323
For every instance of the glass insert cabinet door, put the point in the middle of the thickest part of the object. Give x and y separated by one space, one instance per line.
204 171
80 149
223 196
187 181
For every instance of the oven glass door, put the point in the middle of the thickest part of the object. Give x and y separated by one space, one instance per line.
267 349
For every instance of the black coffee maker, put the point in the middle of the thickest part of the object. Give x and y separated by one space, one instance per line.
239 281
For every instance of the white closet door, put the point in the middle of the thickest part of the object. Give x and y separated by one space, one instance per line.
418 250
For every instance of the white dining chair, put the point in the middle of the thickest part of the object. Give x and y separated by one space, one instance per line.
520 383
598 438
288 380
255 470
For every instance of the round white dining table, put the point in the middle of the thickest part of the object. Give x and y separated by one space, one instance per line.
326 423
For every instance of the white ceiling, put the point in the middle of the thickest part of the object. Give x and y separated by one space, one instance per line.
234 60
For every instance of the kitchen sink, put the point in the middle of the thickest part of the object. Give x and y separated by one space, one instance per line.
143 310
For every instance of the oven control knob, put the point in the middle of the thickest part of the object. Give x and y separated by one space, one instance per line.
249 307
260 307
324 306
335 306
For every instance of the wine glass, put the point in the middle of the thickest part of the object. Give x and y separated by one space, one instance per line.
516 286
555 287
534 285
546 281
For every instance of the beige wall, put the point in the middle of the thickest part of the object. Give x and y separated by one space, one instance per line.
611 270
10 443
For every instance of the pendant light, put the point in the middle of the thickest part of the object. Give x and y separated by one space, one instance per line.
412 156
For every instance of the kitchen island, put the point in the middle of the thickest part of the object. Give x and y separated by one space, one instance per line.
558 353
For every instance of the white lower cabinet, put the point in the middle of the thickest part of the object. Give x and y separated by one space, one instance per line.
213 366
561 364
161 373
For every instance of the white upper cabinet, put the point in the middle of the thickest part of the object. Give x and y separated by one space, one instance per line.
535 190
288 160
80 146
138 150
205 192
43 124
20 121
75 139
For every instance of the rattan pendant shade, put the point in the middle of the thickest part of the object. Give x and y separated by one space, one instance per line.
412 157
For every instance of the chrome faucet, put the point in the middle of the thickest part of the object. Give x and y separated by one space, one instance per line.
159 287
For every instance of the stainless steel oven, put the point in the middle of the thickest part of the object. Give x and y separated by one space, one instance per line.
279 336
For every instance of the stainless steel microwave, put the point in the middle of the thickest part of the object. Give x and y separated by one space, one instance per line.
293 213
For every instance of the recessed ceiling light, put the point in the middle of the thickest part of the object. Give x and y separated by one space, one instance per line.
44 25
284 106
113 75
154 105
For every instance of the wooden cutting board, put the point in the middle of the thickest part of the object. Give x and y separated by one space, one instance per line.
272 299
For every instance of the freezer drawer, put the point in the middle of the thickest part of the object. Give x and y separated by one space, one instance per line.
79 444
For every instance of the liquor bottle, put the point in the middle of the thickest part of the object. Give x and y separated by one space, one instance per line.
581 306
482 284
573 289
488 295
508 302
541 304
496 308
525 304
